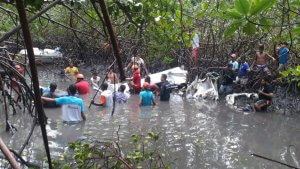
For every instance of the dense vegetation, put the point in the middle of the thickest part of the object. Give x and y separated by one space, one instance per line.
161 30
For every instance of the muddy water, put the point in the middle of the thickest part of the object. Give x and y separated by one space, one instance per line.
192 134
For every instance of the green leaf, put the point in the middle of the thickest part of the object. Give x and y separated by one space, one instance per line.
267 23
249 29
261 5
242 6
233 14
231 29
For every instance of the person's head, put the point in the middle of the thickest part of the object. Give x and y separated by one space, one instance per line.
53 87
134 68
243 59
122 88
18 68
163 77
71 65
233 56
261 47
79 77
229 66
104 86
146 86
283 44
94 75
148 79
72 89
265 80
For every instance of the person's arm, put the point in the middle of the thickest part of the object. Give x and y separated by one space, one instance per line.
266 94
83 116
153 101
46 99
271 57
129 79
129 64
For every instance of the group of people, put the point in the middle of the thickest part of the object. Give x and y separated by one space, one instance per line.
233 73
72 104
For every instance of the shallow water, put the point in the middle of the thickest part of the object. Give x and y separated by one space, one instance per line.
192 134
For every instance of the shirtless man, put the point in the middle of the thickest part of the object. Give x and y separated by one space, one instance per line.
112 77
260 60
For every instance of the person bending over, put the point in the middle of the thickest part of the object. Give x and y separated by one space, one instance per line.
72 107
265 95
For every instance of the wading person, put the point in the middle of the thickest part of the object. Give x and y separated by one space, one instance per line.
146 96
137 60
95 81
260 60
120 97
265 95
50 94
283 54
112 77
235 64
83 87
135 80
72 107
164 90
71 69
152 86
228 76
106 98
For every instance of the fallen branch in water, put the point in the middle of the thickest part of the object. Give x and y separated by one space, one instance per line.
269 159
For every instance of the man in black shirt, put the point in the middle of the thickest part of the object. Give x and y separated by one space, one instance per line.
164 88
265 95
228 77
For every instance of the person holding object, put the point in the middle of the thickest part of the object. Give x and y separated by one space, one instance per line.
138 61
72 107
106 97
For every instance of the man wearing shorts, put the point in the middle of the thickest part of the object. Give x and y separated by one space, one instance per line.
265 95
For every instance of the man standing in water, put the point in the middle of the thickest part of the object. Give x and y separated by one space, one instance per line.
135 80
50 94
146 96
71 69
164 88
72 107
265 95
106 98
83 87
260 60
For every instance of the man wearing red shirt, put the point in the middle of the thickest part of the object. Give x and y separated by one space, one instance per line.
83 87
135 80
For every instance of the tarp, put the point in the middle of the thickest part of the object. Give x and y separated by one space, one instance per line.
204 88
44 56
231 98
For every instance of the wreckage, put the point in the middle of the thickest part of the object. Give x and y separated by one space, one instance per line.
204 88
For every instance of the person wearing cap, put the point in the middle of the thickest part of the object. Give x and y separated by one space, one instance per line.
228 77
50 94
72 107
83 86
135 80
106 98
283 54
146 96
235 64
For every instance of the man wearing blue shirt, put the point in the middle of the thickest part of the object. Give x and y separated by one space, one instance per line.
146 96
72 107
282 56
242 77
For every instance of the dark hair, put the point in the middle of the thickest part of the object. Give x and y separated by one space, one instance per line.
284 43
122 88
229 65
261 47
94 73
72 89
53 86
104 86
148 79
266 79
164 76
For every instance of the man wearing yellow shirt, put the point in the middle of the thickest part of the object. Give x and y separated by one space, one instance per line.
71 69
